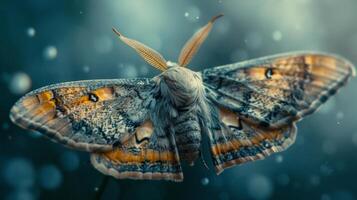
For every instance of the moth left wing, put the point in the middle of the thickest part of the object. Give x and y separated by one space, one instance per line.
276 90
149 154
90 115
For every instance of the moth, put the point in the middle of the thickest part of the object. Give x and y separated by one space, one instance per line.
144 128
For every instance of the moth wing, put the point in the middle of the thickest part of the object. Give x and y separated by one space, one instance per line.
277 90
149 154
256 103
235 141
86 115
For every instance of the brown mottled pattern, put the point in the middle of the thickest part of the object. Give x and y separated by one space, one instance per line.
136 129
260 100
86 115
273 91
152 158
236 141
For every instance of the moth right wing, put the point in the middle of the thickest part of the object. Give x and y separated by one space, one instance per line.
256 103
92 115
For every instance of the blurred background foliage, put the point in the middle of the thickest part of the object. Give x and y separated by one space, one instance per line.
45 42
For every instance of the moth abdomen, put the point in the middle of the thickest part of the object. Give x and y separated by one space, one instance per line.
188 135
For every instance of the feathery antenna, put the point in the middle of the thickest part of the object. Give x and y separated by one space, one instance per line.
151 56
193 44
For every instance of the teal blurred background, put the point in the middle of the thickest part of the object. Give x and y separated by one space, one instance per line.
45 42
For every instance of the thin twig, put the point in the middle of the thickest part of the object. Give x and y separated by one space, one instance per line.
100 190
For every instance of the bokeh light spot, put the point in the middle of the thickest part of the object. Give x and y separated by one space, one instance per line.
260 187
70 161
50 52
192 14
20 83
19 173
50 177
31 32
277 35
204 181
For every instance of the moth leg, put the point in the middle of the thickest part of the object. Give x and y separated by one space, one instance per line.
151 56
194 43
203 160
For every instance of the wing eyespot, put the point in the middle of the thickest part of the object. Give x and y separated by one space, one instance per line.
269 73
93 97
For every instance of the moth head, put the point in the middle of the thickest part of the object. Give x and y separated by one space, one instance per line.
156 60
181 85
171 64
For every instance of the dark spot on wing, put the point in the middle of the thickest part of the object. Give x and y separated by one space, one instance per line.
323 98
93 97
269 73
264 124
